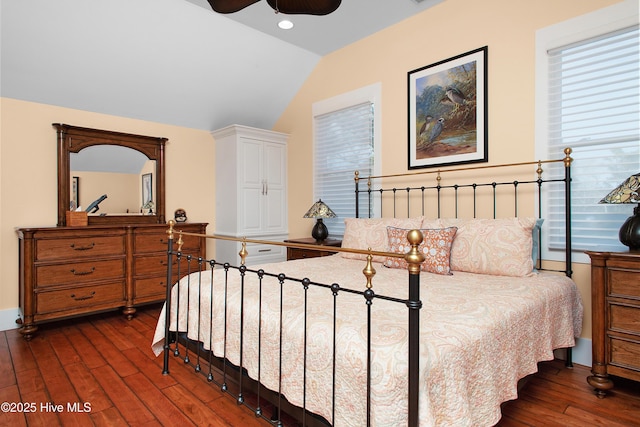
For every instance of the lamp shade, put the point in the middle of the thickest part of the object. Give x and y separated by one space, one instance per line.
627 192
319 210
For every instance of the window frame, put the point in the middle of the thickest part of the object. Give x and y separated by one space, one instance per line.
597 23
371 93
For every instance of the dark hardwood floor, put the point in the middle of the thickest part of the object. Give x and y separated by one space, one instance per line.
106 361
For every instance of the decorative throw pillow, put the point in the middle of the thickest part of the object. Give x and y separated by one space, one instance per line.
500 247
365 233
436 248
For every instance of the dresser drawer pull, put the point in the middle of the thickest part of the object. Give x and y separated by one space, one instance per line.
83 273
84 297
82 248
264 250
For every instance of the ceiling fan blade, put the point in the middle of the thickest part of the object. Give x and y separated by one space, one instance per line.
306 7
230 6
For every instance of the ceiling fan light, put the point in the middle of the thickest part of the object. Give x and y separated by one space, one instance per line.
285 24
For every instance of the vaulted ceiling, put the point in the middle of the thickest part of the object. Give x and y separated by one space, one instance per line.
174 61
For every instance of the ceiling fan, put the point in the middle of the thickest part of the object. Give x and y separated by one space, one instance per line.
290 7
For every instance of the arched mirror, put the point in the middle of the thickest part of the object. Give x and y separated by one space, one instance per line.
117 177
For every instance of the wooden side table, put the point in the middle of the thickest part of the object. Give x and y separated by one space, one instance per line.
615 301
299 253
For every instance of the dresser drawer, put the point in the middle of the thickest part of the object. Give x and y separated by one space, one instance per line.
78 272
624 318
625 354
157 242
624 283
79 247
261 254
156 265
151 287
150 265
80 298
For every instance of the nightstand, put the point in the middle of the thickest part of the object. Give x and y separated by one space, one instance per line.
299 253
615 311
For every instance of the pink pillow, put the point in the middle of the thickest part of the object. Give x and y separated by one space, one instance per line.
500 246
436 248
365 233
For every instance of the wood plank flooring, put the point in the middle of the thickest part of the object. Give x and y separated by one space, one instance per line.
106 362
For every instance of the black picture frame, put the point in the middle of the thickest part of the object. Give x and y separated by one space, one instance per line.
448 111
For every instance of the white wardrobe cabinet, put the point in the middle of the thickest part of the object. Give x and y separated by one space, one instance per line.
251 191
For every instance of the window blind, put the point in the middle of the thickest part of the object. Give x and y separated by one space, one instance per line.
594 108
343 144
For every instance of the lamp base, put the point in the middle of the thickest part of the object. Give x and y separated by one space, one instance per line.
630 231
319 231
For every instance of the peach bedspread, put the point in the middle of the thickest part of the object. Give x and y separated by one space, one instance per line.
479 334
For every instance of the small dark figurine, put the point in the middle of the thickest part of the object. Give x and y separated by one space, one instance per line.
180 215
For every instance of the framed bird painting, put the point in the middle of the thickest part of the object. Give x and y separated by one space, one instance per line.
448 111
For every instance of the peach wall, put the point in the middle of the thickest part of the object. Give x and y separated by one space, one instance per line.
28 173
28 145
452 27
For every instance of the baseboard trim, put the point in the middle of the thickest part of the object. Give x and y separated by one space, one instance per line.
581 354
8 319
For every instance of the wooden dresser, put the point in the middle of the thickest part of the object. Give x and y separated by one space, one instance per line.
615 300
71 271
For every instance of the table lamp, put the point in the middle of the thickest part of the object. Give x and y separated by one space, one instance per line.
627 192
319 210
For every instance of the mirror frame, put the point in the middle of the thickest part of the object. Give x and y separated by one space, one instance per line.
72 139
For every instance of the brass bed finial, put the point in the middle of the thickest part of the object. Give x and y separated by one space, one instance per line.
414 257
539 170
180 242
356 176
171 233
567 157
170 230
369 271
243 251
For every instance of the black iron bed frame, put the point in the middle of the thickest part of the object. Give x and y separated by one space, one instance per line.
222 373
